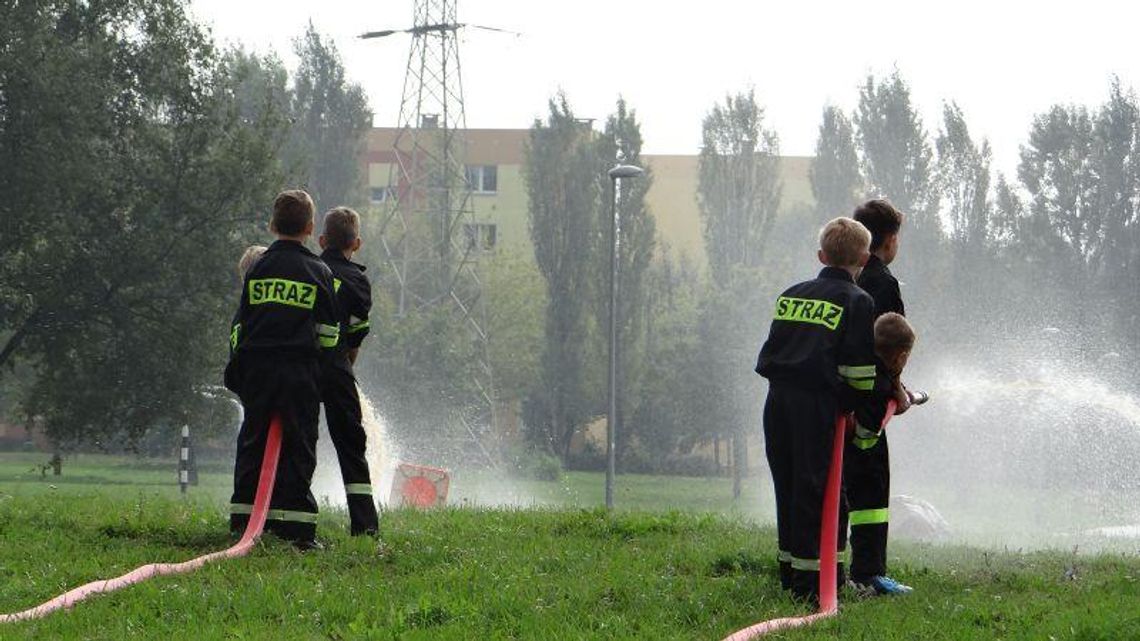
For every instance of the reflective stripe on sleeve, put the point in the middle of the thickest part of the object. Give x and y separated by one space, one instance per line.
235 334
857 371
358 327
328 334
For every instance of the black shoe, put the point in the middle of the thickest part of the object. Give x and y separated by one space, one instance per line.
308 545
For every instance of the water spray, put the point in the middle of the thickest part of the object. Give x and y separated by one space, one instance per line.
241 548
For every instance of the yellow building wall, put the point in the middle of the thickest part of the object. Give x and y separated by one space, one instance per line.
672 198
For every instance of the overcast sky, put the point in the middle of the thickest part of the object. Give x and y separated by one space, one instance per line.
1002 61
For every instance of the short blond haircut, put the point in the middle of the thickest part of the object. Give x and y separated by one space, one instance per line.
844 241
248 258
342 228
893 334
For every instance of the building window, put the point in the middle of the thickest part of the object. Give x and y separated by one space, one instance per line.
381 194
484 179
481 236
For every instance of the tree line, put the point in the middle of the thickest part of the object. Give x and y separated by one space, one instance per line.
137 159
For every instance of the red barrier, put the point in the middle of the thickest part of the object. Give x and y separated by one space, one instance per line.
828 542
241 548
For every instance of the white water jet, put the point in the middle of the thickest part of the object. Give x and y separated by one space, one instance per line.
328 486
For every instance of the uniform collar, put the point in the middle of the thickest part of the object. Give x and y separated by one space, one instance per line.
874 262
289 245
836 273
336 256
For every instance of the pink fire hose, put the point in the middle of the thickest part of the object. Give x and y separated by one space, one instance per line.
828 542
241 548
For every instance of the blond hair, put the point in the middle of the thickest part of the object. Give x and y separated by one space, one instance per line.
248 258
342 228
893 334
844 241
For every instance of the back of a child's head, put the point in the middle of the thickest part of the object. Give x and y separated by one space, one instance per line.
844 241
881 218
292 212
893 335
341 228
248 258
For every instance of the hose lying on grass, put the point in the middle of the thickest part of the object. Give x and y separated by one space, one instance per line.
241 548
828 542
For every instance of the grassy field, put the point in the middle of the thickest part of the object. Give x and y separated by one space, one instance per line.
482 573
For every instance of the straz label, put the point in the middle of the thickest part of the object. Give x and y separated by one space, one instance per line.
806 310
282 291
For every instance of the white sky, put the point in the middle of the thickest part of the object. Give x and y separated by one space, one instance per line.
1002 61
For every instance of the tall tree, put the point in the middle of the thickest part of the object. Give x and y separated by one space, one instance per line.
1057 170
963 178
739 186
130 182
562 204
738 190
620 142
836 182
1116 160
897 158
331 118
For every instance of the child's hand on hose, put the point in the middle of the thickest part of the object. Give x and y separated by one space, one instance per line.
902 398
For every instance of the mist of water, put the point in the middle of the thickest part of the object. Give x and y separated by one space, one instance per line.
1023 447
380 453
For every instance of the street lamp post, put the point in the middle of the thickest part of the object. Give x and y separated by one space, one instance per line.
619 171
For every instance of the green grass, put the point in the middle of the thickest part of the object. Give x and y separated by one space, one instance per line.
483 573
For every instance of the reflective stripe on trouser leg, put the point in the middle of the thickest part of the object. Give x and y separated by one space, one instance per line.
346 430
358 488
869 517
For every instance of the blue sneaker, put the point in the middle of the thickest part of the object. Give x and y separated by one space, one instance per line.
885 585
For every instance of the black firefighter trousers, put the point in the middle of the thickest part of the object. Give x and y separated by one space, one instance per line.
799 430
286 385
346 429
867 477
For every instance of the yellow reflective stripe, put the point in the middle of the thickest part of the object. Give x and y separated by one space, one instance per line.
328 334
282 291
807 565
358 488
336 285
806 310
857 371
862 384
869 517
865 443
363 325
235 333
292 516
241 508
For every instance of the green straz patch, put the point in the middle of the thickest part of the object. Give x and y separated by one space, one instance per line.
806 310
282 291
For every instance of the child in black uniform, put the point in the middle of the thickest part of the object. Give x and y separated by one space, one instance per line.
287 316
340 240
819 360
867 466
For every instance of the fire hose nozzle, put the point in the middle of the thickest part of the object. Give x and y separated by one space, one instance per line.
918 397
